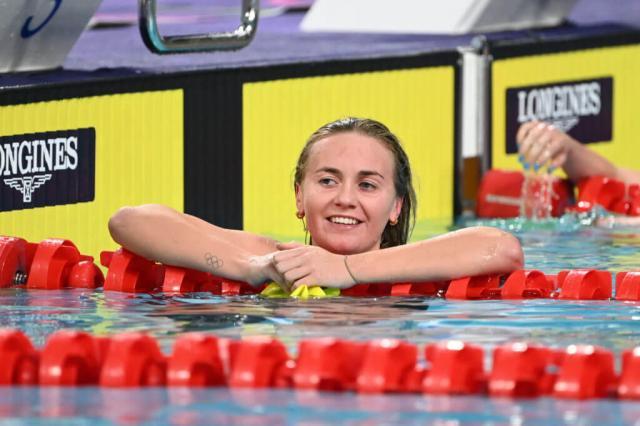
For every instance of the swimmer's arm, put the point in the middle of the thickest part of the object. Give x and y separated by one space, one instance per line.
582 162
162 234
542 144
628 176
467 252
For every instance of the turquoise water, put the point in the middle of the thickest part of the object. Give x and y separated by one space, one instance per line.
550 247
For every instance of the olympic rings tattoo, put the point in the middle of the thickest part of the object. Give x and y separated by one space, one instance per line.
213 261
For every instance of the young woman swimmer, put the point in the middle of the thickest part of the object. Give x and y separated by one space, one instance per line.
354 194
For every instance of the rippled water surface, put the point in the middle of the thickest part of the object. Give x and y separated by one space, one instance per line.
549 247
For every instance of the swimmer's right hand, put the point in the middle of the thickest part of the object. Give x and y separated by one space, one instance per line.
541 144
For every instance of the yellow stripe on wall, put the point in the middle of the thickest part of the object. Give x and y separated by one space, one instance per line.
622 63
279 116
139 159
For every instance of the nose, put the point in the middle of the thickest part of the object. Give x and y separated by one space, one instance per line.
346 195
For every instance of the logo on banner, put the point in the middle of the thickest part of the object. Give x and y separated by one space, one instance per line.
26 185
47 169
582 109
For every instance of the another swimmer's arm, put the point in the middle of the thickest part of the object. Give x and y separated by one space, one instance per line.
541 144
167 236
467 252
583 162
629 176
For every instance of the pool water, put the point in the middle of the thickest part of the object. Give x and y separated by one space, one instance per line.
549 246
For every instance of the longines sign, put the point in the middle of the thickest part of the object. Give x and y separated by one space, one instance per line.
584 109
47 169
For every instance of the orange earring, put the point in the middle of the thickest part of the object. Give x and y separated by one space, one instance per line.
300 215
393 222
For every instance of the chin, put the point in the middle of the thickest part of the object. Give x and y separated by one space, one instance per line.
344 248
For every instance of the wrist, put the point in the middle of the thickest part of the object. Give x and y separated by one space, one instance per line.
345 259
257 269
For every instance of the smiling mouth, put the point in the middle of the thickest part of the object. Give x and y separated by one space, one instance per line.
342 220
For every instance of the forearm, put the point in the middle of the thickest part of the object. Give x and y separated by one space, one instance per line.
164 235
467 252
583 162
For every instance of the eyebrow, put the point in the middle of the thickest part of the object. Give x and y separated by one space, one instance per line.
337 172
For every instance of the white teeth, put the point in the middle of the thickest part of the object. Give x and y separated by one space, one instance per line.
344 220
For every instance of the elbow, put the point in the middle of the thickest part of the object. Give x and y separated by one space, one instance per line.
505 252
128 221
511 254
120 222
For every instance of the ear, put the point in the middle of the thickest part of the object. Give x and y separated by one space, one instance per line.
299 204
397 208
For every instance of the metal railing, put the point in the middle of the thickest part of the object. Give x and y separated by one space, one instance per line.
160 44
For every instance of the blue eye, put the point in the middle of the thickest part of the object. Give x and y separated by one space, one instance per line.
367 185
326 181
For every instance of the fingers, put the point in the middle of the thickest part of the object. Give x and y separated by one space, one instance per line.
530 146
305 280
543 145
284 265
290 266
524 130
296 275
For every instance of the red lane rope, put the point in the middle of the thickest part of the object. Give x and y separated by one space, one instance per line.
57 264
76 358
500 193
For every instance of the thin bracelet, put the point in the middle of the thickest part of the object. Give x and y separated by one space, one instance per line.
346 265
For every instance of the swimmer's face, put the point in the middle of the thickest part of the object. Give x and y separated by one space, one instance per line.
348 194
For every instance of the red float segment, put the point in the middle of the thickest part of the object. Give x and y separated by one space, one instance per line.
628 286
237 288
629 387
131 273
611 194
133 360
500 194
52 263
70 358
19 361
633 192
585 284
599 190
526 284
368 290
414 379
85 274
256 362
520 371
327 364
183 280
428 289
480 287
358 290
283 378
456 368
16 256
387 366
585 372
195 362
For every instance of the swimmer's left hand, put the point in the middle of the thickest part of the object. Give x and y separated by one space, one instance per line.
311 265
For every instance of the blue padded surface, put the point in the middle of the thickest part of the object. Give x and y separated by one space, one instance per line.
115 49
